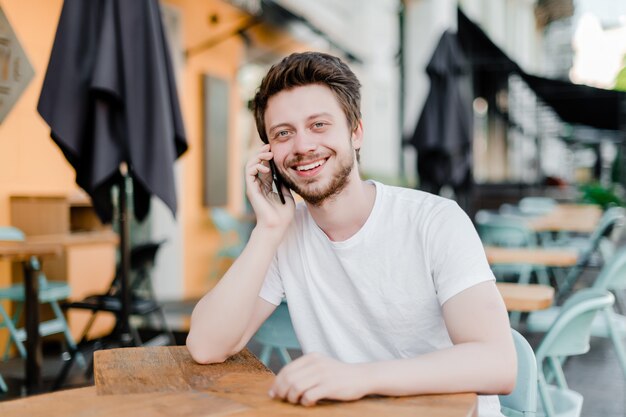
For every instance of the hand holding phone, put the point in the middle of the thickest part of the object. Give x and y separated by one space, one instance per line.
278 182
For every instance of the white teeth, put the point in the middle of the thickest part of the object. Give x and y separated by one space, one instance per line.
310 166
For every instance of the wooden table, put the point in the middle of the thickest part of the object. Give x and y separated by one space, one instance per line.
528 297
525 298
76 238
88 266
165 381
531 256
582 218
23 252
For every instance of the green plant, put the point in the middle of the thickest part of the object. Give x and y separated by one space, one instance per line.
595 193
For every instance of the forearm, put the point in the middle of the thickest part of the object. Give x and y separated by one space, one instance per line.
220 318
468 367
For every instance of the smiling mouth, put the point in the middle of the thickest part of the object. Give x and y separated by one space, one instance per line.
312 165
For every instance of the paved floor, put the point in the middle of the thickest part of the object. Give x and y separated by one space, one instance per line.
596 375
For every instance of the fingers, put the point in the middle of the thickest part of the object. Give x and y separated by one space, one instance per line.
287 378
258 163
312 396
297 379
294 387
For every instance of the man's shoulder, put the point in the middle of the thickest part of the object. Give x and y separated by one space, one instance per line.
422 199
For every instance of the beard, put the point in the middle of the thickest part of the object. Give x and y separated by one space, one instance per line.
317 194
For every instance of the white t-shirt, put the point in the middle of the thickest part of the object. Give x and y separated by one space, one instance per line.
378 295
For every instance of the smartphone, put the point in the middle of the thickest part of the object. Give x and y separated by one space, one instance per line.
278 181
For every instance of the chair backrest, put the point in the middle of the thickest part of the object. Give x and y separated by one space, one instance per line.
277 331
523 400
223 220
569 334
227 224
613 274
10 233
611 223
499 230
537 205
13 234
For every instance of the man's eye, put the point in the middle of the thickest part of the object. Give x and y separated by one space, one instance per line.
281 134
319 125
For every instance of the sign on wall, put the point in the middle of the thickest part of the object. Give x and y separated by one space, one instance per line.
215 141
15 69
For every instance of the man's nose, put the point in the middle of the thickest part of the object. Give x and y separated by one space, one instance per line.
304 142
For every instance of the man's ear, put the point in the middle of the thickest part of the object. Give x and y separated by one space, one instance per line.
357 136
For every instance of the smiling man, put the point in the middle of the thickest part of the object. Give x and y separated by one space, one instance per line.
388 288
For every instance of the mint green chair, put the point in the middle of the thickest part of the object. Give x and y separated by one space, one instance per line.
522 402
600 243
50 292
234 235
569 335
503 230
537 205
609 324
512 232
277 333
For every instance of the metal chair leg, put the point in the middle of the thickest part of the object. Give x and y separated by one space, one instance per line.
284 355
3 385
265 355
69 339
13 333
616 338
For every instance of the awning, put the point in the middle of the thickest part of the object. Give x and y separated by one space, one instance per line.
279 15
574 103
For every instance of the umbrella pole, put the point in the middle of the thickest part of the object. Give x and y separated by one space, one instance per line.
123 325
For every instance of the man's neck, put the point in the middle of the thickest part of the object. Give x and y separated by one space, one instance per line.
341 216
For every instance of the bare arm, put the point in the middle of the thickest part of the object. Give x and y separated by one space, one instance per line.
482 360
225 318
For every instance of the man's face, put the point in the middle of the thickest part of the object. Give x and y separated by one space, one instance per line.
312 143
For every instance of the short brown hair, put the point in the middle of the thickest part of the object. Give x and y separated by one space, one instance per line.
300 69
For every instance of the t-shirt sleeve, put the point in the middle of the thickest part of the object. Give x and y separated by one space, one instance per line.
272 290
455 252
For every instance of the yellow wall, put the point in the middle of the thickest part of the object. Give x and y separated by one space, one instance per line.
29 161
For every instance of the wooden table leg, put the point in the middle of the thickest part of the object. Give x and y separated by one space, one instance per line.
34 357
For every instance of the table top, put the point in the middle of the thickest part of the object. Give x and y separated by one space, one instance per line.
107 236
53 245
532 256
21 251
525 298
581 218
157 381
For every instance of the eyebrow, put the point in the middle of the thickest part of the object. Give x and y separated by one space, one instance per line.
323 114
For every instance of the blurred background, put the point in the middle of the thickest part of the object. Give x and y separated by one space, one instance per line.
517 141
482 101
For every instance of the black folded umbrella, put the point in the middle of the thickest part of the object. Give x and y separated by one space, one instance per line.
443 134
109 96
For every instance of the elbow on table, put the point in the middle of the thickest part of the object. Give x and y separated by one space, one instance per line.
499 373
206 353
507 385
507 377
501 384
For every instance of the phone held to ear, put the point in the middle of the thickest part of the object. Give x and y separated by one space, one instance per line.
278 182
